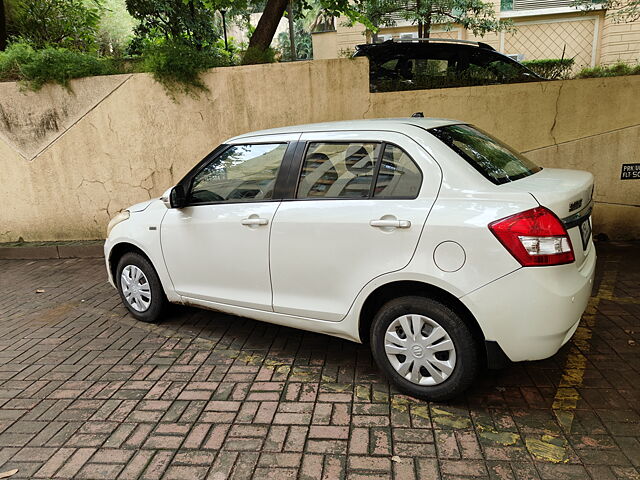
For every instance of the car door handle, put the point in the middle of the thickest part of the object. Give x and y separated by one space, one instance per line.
390 223
254 221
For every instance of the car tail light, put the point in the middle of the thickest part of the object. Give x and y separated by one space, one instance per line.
535 238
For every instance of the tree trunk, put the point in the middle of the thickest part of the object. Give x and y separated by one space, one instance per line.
268 24
3 27
426 28
196 38
292 33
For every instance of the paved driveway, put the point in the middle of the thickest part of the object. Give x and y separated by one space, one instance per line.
87 392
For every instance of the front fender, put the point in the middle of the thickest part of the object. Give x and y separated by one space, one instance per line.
142 230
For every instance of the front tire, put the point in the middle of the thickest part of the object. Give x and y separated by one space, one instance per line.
140 288
425 348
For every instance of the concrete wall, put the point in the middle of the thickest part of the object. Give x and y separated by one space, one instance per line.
591 124
325 45
127 141
70 160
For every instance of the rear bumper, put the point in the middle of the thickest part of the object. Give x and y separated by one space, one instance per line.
533 311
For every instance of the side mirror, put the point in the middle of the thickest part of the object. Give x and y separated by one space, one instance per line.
174 197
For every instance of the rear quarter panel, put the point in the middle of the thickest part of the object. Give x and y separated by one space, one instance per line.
466 204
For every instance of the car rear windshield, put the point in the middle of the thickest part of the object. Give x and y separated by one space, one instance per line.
493 159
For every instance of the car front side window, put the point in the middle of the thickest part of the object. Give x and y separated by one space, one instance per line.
241 173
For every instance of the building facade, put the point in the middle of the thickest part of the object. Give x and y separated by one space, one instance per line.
544 29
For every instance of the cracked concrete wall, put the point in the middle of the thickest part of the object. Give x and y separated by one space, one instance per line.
124 141
132 141
29 121
590 124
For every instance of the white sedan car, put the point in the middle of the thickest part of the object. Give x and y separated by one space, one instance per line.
443 247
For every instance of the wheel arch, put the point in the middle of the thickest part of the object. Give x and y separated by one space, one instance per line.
402 288
118 251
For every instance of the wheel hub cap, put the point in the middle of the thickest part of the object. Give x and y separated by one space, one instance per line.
417 350
420 350
135 288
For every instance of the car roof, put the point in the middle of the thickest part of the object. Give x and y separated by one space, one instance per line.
386 124
391 45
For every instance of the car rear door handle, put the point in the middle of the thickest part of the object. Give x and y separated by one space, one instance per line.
254 221
390 223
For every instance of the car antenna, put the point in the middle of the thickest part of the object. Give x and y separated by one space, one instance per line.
418 115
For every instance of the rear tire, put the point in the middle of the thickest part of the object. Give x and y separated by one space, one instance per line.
140 288
425 348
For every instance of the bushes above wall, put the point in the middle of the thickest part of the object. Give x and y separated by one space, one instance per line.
20 61
551 68
176 66
616 70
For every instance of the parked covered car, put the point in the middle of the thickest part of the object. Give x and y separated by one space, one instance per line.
439 63
440 245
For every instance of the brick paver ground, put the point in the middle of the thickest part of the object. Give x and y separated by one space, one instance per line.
87 392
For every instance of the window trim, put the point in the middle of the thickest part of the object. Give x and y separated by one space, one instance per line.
285 165
301 154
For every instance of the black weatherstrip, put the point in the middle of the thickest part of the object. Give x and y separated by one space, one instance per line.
379 157
280 188
291 166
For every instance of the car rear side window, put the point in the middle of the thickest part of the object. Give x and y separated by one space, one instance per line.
338 170
399 176
493 159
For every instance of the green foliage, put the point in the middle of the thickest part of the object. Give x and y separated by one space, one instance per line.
12 58
178 66
551 68
506 5
304 44
253 56
20 61
115 29
192 22
475 15
71 24
616 70
233 50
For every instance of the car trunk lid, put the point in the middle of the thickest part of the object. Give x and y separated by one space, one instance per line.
568 194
